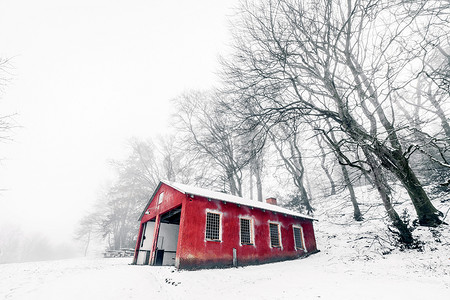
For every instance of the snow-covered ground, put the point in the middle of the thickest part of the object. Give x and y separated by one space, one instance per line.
357 261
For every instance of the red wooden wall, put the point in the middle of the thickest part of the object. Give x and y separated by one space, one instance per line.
195 251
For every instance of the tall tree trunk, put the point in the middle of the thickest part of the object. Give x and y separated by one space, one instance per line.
416 115
298 163
305 198
238 187
367 176
87 242
356 211
308 185
394 161
232 184
258 180
251 182
294 165
380 183
325 168
440 113
334 145
256 172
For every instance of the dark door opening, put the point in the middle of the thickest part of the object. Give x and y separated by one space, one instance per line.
159 257
167 239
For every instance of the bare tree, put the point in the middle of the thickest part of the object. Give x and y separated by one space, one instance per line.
210 136
337 60
88 230
286 138
348 183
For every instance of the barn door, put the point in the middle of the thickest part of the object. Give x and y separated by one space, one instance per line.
166 246
145 247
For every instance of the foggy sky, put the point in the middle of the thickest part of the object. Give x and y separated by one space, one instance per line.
87 76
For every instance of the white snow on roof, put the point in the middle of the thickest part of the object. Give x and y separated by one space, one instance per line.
192 190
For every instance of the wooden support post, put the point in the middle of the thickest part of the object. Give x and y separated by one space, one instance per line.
138 244
155 240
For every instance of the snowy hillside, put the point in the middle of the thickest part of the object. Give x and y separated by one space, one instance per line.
357 261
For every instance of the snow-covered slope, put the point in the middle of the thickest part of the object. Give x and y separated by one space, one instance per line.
357 261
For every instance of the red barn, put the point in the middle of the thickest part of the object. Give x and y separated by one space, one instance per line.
190 227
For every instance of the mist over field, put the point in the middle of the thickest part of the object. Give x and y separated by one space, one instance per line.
19 246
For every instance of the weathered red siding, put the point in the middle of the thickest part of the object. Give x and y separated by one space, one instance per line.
195 251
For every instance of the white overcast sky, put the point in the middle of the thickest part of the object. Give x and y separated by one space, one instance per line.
87 76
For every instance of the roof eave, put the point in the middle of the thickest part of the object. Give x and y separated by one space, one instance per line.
174 186
150 200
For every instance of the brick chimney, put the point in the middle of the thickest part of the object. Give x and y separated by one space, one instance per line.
272 201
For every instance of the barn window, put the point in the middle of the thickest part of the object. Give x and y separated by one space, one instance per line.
161 197
246 231
298 237
213 226
274 235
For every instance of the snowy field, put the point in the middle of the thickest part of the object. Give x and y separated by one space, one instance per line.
317 277
357 261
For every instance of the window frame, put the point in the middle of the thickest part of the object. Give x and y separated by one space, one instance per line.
251 231
280 244
302 238
220 225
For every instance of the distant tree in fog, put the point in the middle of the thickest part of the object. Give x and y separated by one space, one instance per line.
88 230
115 215
6 121
11 240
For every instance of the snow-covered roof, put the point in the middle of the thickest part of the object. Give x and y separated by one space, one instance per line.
192 190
